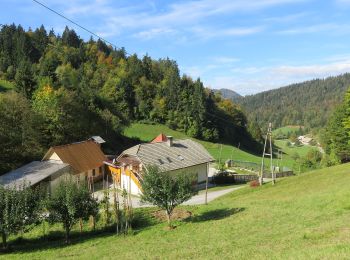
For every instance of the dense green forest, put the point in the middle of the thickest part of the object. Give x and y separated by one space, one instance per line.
309 103
67 89
335 136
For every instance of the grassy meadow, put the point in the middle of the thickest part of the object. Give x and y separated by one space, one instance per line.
5 85
301 217
146 133
286 129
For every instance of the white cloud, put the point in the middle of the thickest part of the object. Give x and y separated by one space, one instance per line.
152 33
343 2
325 27
205 33
251 80
287 18
225 60
145 19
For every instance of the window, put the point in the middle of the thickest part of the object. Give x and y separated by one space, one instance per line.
100 170
93 173
160 161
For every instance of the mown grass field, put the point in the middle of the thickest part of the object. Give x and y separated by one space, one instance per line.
5 85
289 151
301 217
286 129
147 132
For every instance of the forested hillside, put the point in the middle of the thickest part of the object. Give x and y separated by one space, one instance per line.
228 93
309 103
67 89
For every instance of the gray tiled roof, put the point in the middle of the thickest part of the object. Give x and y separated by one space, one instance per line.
182 154
32 173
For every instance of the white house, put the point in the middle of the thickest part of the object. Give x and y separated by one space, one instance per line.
171 156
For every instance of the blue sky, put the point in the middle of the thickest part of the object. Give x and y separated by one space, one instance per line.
247 46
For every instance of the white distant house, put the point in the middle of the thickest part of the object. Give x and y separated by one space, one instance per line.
305 140
171 156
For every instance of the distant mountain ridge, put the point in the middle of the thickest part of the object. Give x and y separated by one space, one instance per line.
228 93
309 103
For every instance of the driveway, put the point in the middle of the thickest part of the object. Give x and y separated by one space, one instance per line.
195 200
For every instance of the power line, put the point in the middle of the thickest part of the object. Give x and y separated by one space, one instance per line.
76 24
99 37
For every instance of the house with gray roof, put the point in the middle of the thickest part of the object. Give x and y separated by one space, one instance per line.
171 156
46 173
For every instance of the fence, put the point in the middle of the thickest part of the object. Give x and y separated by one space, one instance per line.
279 174
228 177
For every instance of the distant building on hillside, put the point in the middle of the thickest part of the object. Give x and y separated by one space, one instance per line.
305 140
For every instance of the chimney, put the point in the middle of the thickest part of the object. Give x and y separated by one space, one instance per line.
169 141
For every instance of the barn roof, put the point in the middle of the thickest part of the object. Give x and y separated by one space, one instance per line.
182 154
32 173
82 156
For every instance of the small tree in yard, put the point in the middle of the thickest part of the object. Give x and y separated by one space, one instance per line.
165 190
19 207
71 201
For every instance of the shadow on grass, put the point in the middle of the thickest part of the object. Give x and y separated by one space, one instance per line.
215 214
56 239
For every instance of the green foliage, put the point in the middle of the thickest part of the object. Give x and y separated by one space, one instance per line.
165 190
76 89
310 103
5 85
19 136
19 207
309 214
335 136
255 131
69 202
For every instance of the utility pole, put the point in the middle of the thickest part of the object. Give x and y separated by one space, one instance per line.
220 155
206 186
268 138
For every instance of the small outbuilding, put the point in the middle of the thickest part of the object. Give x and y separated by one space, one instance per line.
47 173
86 158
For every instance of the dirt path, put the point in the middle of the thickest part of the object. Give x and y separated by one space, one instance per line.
195 200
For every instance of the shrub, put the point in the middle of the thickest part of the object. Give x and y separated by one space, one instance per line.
254 184
71 201
166 191
224 178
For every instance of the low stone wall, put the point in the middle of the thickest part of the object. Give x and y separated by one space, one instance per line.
243 178
279 174
228 177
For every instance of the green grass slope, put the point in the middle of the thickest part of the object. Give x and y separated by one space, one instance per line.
147 132
5 85
301 217
286 129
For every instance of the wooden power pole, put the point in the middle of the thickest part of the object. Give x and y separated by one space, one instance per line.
268 138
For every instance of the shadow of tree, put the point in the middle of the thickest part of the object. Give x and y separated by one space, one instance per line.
215 214
55 239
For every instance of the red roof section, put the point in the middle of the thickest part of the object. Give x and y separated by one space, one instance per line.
160 138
